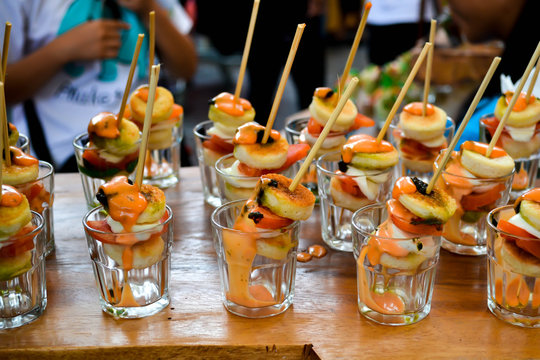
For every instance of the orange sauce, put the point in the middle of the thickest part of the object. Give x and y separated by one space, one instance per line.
323 92
499 291
416 108
363 143
521 103
247 134
317 251
481 148
104 124
517 292
142 93
404 185
521 180
303 257
10 197
536 294
532 195
225 102
20 158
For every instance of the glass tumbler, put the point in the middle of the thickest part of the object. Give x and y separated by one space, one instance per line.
524 151
395 276
23 293
341 195
415 158
257 269
132 269
23 143
513 291
209 150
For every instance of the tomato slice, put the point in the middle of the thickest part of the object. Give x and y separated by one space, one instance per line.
295 153
362 121
92 158
492 123
313 127
531 246
350 186
403 219
475 201
23 243
266 219
217 144
177 111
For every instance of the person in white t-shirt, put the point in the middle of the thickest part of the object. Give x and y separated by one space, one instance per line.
69 60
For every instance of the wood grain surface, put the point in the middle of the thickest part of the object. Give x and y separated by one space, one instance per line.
323 322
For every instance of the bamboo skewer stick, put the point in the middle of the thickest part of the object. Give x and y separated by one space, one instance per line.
513 101
429 66
247 47
403 91
354 47
130 78
2 138
333 117
283 82
4 125
466 118
533 81
5 49
152 40
154 75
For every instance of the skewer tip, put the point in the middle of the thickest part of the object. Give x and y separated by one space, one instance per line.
368 6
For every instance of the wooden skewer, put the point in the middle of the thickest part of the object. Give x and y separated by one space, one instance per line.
429 65
333 117
4 125
517 92
152 39
283 82
154 75
466 118
403 91
130 78
2 139
5 49
354 47
533 81
247 47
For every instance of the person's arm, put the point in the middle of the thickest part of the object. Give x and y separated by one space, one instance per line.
92 40
176 50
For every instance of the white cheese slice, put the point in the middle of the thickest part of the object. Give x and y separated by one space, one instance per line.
110 157
328 143
236 178
117 228
224 132
435 142
369 188
522 134
520 222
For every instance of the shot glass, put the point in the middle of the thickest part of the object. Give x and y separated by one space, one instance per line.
513 291
92 178
40 195
395 276
257 269
23 293
525 152
23 143
208 153
295 135
415 159
132 269
465 232
340 196
234 186
162 165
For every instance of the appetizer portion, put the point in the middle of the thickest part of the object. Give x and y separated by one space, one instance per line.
13 134
478 184
251 159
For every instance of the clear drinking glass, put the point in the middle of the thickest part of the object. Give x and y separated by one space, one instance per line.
465 232
162 165
513 291
40 195
132 269
257 269
23 293
208 154
526 154
93 179
340 196
395 276
420 163
23 143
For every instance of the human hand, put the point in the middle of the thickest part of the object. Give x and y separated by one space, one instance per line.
92 40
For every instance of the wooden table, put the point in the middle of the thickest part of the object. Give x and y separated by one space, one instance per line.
324 321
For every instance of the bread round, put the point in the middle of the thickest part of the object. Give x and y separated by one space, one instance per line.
529 116
273 193
163 105
322 109
145 253
420 127
519 260
14 218
344 199
271 155
155 207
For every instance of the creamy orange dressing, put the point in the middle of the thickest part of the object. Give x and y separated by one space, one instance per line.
18 157
416 108
532 195
363 143
104 124
317 251
143 92
225 102
481 148
521 103
10 197
303 257
404 185
247 134
517 292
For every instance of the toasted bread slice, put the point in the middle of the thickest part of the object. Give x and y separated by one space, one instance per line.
420 127
145 253
321 109
529 116
14 218
484 167
519 260
163 105
437 205
156 204
380 160
126 143
344 199
271 155
227 120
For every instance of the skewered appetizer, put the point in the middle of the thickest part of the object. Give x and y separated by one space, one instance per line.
111 150
420 138
405 245
253 159
263 221
13 134
362 171
478 184
227 116
15 222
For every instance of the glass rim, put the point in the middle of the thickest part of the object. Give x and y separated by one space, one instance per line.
320 159
436 164
490 218
82 148
100 208
306 119
223 207
33 233
199 126
374 206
